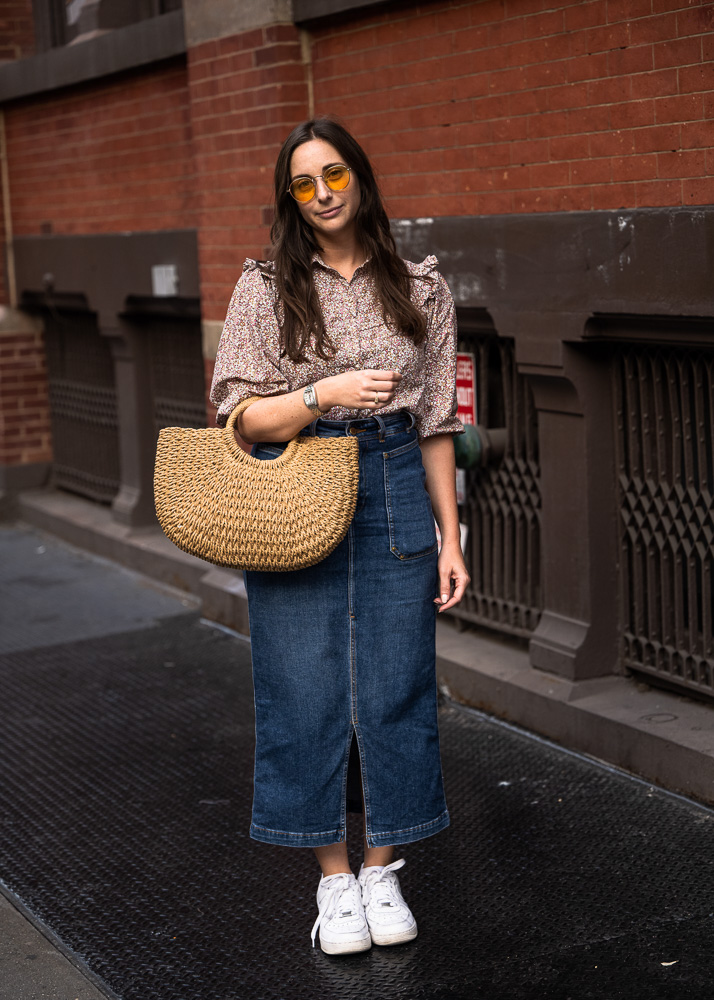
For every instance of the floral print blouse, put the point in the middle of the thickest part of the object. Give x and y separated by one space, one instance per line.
249 361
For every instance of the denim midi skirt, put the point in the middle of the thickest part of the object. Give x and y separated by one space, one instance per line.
346 649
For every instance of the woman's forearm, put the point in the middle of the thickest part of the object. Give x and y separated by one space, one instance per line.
280 418
440 467
275 418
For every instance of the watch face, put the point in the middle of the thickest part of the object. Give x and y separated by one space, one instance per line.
310 400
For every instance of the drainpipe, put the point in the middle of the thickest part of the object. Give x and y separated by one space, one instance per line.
306 57
7 215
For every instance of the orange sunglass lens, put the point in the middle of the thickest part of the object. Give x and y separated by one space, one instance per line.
337 178
302 189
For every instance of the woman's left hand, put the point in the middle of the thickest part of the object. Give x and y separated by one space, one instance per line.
453 576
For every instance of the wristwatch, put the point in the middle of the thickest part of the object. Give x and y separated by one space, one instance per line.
310 397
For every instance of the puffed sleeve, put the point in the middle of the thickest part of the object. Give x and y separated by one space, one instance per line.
247 362
437 412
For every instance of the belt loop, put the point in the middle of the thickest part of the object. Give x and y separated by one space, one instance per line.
311 429
412 420
382 426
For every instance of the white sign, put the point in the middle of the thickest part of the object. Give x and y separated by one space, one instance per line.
164 279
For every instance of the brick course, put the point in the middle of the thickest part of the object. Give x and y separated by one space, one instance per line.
24 400
246 93
104 158
467 107
514 96
17 30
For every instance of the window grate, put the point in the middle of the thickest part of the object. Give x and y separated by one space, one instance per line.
665 456
502 509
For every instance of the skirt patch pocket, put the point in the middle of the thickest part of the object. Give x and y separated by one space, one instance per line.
412 532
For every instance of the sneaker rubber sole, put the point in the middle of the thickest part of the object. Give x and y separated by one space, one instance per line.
401 938
346 947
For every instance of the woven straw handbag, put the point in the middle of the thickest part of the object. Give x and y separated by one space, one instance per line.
219 503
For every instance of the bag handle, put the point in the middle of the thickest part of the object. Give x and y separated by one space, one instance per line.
241 408
233 446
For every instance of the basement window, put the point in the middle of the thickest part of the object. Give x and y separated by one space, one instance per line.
66 22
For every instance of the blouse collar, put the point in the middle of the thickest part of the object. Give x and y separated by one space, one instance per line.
317 259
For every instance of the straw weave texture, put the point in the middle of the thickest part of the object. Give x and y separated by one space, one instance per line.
217 502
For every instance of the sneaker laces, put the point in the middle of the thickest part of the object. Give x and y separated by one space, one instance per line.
382 885
336 886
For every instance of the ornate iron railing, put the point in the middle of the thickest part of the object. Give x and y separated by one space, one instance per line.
177 373
664 399
502 508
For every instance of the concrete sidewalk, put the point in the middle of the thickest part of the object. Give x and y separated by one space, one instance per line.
52 593
33 965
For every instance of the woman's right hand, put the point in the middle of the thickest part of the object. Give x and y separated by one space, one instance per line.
368 389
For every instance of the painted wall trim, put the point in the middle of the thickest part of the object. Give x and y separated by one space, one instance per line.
650 261
103 269
313 10
141 44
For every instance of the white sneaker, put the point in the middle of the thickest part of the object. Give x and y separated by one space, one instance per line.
389 919
341 919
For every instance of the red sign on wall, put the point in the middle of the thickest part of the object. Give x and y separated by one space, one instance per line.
466 388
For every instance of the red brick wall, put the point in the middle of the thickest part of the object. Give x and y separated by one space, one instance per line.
247 92
208 366
24 402
4 297
17 30
112 156
472 107
528 105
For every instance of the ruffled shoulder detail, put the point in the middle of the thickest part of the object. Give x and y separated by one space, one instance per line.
426 288
427 267
265 267
260 274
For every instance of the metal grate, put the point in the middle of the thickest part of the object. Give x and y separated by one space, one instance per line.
85 432
665 457
177 373
125 776
502 508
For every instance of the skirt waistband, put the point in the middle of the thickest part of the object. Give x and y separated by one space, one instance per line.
401 420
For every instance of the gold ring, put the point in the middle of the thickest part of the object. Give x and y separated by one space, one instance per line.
376 397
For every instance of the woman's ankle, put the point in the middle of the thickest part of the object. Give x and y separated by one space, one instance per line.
333 859
380 856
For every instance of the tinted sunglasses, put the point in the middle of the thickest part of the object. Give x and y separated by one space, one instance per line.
304 189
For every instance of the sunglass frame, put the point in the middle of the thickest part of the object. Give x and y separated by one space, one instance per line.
314 185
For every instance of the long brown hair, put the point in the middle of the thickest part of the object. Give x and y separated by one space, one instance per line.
294 245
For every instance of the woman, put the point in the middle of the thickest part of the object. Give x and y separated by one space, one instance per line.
340 336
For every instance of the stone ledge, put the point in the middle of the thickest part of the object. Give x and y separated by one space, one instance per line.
207 20
661 737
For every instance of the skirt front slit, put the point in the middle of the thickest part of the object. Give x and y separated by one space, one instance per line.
348 647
